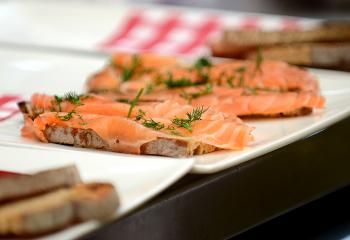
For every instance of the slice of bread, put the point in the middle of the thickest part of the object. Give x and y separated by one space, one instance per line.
330 55
87 138
329 32
57 209
325 46
14 187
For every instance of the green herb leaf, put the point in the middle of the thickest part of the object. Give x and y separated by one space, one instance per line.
241 69
58 101
141 115
73 98
66 117
149 88
202 62
128 72
134 102
189 96
153 124
176 83
186 123
122 100
259 60
230 81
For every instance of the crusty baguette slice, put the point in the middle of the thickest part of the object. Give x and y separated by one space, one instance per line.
54 210
333 55
87 138
331 32
170 147
27 185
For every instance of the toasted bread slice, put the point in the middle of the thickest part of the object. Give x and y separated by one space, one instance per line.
332 55
331 32
87 138
14 187
59 208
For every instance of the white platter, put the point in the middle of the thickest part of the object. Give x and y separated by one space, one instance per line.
136 179
59 73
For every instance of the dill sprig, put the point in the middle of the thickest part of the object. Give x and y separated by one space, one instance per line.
229 81
141 115
128 72
258 61
67 116
73 98
134 101
58 101
149 88
202 62
200 66
122 100
150 123
193 116
241 69
189 96
176 83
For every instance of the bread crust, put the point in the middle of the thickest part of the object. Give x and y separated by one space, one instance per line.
21 186
57 209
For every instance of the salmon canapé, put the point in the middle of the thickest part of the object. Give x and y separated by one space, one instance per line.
151 104
127 129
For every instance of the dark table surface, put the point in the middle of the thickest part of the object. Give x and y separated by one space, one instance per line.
228 203
298 192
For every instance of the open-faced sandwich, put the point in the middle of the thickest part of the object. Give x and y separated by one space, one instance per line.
161 105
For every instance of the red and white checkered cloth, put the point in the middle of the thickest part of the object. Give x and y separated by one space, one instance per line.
8 106
184 32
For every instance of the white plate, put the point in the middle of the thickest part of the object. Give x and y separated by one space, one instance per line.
137 179
61 73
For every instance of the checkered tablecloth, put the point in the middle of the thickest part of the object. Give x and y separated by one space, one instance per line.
184 32
8 106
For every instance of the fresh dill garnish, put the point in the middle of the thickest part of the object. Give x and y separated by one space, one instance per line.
189 96
186 123
229 81
67 116
176 83
172 130
58 101
200 66
259 60
82 120
149 88
73 98
150 123
122 100
202 62
241 81
128 72
134 102
241 69
141 115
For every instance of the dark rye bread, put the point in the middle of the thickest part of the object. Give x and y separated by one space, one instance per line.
325 46
21 186
329 32
87 138
57 209
330 55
